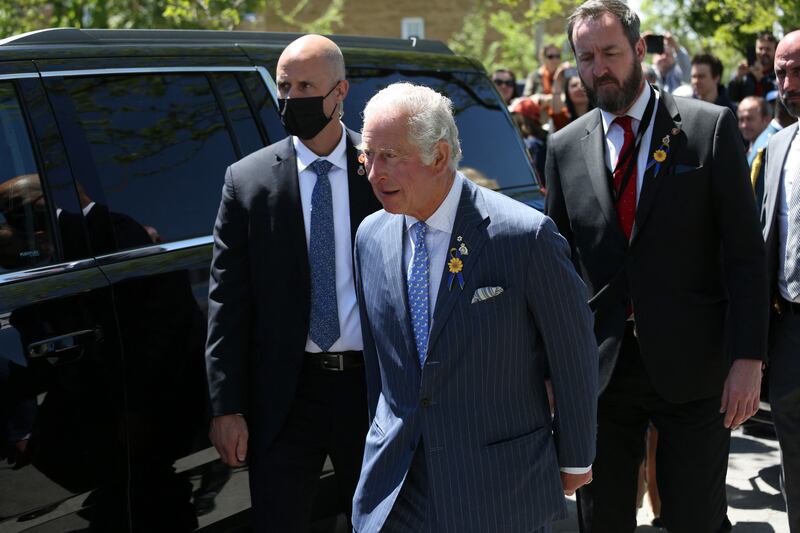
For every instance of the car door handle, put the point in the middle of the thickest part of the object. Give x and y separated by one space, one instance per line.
65 345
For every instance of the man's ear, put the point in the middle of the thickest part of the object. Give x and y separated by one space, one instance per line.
442 158
640 49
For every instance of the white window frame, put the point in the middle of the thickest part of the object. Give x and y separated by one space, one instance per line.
408 24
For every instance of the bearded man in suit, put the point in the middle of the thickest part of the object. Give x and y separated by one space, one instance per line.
652 193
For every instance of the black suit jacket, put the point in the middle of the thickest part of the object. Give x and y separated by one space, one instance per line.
695 265
260 287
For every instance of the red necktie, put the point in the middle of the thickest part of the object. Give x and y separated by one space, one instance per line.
626 203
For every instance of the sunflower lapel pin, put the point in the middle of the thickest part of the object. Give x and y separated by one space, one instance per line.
455 265
660 155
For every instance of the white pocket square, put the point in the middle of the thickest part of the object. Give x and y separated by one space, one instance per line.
484 293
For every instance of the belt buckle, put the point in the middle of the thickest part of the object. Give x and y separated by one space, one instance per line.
339 362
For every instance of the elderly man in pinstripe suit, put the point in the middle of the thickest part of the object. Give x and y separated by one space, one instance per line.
466 298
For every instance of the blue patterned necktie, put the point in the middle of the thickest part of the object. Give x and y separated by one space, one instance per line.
324 329
418 290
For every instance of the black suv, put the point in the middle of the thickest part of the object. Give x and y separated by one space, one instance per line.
113 147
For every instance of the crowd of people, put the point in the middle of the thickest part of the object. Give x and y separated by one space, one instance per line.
466 361
553 95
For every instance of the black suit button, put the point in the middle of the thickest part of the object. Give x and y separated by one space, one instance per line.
425 402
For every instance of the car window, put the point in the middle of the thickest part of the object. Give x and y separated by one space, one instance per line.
236 105
489 141
25 234
264 106
157 145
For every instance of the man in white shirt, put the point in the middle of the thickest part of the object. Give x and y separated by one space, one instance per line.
284 353
781 218
467 298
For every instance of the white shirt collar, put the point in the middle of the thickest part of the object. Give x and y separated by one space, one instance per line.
445 215
636 112
338 157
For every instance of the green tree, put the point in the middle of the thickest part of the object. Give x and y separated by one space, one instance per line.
18 16
503 32
724 27
304 16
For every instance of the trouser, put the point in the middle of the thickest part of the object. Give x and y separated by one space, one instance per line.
784 399
691 461
328 418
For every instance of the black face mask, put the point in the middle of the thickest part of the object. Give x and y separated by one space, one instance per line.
304 117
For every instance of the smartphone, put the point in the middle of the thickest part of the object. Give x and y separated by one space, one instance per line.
751 55
570 72
655 44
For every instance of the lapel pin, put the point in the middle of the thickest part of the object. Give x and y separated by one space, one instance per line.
675 131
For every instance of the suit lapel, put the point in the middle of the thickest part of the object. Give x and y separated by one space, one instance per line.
470 224
776 158
287 189
667 120
396 279
594 154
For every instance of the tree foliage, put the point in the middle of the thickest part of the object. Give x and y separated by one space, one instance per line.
297 16
19 16
503 32
731 24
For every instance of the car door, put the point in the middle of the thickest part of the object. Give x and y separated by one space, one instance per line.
150 146
61 394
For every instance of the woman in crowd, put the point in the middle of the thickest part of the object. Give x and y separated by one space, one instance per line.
506 84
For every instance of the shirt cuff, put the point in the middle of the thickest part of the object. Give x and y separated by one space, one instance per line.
576 469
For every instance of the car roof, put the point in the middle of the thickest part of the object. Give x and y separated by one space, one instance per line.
359 51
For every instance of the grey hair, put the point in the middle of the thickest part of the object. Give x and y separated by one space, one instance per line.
592 9
428 114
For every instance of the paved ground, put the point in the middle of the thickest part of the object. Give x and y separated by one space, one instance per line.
755 504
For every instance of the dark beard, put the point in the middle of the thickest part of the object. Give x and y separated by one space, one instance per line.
620 99
792 107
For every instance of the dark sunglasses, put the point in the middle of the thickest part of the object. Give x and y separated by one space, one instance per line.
553 56
507 83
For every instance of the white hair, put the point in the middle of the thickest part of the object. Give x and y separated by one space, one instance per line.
428 114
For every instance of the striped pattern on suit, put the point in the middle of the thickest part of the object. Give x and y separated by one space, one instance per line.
491 450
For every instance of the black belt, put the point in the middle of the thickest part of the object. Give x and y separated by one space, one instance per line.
791 308
334 362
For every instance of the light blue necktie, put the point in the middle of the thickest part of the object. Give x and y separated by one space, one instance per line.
418 290
324 329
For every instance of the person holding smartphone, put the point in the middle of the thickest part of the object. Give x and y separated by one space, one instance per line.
670 60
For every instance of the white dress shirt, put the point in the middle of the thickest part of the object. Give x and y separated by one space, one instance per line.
789 180
615 135
349 323
437 240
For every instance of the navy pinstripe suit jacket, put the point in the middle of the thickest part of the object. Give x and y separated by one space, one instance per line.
492 450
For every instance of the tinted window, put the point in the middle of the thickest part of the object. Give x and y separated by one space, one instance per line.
25 237
489 141
239 114
157 145
264 106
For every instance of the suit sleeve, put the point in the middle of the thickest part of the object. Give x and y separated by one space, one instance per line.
371 366
557 299
229 307
743 246
555 206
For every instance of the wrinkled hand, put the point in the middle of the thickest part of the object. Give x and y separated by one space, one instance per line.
741 393
572 482
228 434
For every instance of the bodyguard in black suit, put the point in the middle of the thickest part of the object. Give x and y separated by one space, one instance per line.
781 218
284 358
653 195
